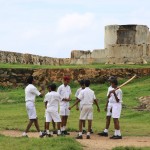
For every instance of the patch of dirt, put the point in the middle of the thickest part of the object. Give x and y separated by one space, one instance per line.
144 103
95 143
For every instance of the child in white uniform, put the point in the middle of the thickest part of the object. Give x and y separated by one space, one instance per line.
108 109
65 92
116 100
87 97
30 93
53 99
54 125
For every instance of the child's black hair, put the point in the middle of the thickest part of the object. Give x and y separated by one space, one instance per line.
81 82
49 86
115 81
53 87
87 83
30 79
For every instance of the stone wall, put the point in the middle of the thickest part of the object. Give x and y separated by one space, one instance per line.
128 54
17 77
89 57
13 57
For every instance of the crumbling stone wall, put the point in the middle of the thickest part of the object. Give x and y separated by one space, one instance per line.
89 57
17 77
13 57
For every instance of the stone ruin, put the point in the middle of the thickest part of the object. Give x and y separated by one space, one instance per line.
124 44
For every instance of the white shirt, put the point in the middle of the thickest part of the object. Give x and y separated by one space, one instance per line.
87 96
109 89
65 92
112 98
53 98
31 92
77 94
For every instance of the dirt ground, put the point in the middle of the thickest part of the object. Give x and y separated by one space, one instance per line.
96 142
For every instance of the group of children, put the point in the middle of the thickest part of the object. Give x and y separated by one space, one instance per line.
59 100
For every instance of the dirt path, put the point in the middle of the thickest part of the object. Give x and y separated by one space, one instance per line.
96 142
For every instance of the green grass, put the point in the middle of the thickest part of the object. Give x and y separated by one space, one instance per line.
9 143
131 148
133 122
104 66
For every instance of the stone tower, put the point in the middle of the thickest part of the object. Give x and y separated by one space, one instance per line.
127 44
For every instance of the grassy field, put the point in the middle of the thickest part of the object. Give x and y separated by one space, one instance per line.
104 66
130 148
10 143
133 123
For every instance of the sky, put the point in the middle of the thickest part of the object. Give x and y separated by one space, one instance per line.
56 27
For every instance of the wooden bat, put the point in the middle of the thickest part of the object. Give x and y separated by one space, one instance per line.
126 82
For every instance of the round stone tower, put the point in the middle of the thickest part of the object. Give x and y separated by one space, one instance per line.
126 34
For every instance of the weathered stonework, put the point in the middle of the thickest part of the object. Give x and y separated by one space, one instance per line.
124 44
17 77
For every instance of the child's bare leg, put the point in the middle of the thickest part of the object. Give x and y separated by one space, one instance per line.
65 122
108 119
116 124
47 127
62 123
80 125
58 128
54 125
36 125
29 125
58 125
117 127
89 125
83 124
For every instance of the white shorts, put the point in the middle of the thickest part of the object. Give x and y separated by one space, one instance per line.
53 115
86 112
116 110
64 111
31 111
109 107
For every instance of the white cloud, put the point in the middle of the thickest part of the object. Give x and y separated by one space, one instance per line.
75 21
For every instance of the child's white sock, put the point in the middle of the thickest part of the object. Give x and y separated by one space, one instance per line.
47 131
62 129
40 133
80 133
118 133
115 133
51 132
58 132
88 133
106 130
24 134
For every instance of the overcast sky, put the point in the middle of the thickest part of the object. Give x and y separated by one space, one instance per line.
55 27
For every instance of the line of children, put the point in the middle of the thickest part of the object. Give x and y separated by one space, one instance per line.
85 96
